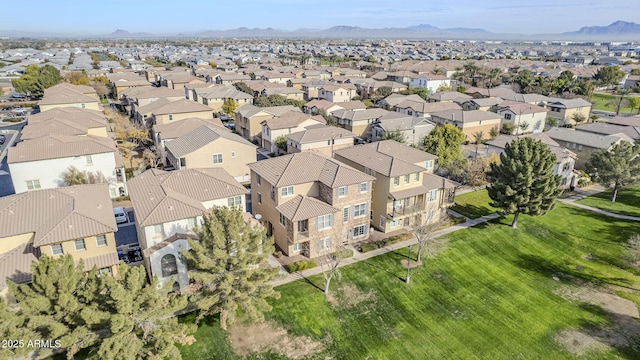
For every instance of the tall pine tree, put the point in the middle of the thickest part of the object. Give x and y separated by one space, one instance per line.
524 182
141 324
615 168
13 328
60 303
228 265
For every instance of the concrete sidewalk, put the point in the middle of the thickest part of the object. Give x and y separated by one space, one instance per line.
357 256
591 190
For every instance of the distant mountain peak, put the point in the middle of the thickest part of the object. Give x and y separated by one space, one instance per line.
616 27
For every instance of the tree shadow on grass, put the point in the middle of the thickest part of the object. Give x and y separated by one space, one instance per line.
622 332
366 262
472 211
544 267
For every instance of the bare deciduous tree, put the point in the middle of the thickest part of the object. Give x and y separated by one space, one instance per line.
424 231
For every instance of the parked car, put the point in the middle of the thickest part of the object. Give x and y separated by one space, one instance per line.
121 215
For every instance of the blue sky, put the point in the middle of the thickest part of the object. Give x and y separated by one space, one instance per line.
163 16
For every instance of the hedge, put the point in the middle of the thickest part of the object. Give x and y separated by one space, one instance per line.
382 243
300 265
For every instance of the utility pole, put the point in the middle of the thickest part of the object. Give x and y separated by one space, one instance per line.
408 265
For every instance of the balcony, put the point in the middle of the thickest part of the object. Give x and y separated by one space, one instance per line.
395 211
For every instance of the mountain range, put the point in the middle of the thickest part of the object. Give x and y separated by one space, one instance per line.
617 31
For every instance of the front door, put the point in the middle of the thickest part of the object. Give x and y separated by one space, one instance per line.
269 228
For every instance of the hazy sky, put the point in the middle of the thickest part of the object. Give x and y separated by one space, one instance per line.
164 16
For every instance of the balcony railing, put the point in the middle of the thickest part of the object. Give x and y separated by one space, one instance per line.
404 210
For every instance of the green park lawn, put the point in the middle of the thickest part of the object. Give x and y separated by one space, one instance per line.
490 295
473 204
627 201
601 102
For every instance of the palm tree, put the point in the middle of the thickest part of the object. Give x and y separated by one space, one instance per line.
471 70
491 76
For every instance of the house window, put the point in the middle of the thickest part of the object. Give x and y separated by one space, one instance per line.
57 249
345 214
259 198
169 265
287 191
283 220
297 247
234 201
324 221
341 191
104 271
406 179
507 116
396 181
33 184
432 195
428 164
394 223
101 240
170 117
383 222
303 225
324 244
217 158
579 147
89 160
83 105
359 231
80 246
157 229
273 192
233 154
359 210
363 187
416 177
258 179
191 223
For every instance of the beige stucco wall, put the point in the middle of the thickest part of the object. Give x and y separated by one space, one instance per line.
565 115
164 118
87 105
235 164
11 242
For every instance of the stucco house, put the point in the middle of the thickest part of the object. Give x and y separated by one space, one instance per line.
358 121
320 138
67 95
310 203
405 191
337 93
413 129
76 220
168 205
287 123
525 117
565 109
212 147
66 121
40 163
248 118
583 143
469 122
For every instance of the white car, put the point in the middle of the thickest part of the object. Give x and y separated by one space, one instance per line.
121 215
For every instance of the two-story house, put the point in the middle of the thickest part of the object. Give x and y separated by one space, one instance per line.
469 122
412 129
66 121
583 143
212 147
168 206
67 95
321 138
310 203
76 220
249 118
337 93
422 109
287 123
40 163
429 82
564 110
358 121
525 117
405 190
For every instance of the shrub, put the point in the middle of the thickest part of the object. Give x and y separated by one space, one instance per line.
121 198
382 243
343 254
278 254
300 265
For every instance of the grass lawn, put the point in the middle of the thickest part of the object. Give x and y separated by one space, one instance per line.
601 102
627 201
473 204
491 295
